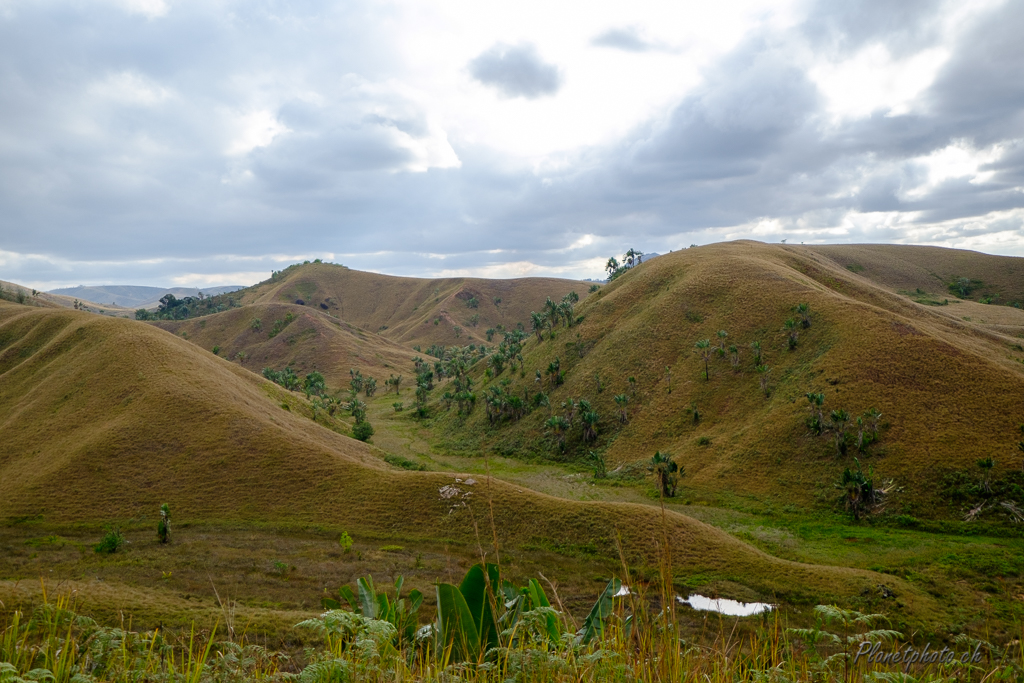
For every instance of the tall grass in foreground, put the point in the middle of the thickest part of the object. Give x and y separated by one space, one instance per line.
634 643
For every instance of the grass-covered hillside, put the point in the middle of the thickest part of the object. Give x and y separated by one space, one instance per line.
303 338
413 310
106 419
917 393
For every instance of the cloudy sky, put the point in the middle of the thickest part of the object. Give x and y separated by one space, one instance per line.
201 142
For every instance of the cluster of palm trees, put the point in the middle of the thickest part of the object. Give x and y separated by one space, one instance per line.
838 424
706 350
561 425
563 311
502 403
631 258
509 352
454 362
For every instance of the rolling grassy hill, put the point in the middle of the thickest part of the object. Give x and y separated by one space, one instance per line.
311 340
412 310
14 292
135 296
948 380
104 419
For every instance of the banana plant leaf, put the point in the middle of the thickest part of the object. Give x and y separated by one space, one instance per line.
367 597
594 624
457 630
478 590
539 599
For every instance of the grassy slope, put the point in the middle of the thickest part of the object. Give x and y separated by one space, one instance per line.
936 378
106 418
313 341
404 309
47 300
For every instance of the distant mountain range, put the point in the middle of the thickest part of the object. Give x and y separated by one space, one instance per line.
137 296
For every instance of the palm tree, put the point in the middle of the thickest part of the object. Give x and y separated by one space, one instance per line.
611 266
840 419
552 312
559 426
570 407
622 400
590 419
755 347
986 465
357 408
805 314
791 327
600 468
537 322
734 355
553 371
858 490
666 472
722 334
816 422
704 349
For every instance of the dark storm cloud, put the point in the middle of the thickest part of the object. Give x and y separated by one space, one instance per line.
628 38
516 71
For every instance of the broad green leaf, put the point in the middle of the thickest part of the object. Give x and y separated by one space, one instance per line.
456 627
350 598
367 597
478 590
415 600
594 624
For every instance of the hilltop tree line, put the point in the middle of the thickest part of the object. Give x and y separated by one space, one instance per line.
173 308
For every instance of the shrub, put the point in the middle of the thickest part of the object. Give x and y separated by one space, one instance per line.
216 350
362 431
163 528
345 542
398 406
111 542
404 463
703 441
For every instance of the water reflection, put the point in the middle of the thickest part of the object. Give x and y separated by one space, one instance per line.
732 608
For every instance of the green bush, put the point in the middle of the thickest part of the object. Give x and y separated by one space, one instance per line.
111 542
345 542
362 431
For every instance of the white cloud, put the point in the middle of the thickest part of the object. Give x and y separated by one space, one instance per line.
219 279
872 80
957 160
254 129
152 9
129 87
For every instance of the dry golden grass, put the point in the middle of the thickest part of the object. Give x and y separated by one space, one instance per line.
314 340
404 309
105 419
47 300
949 389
